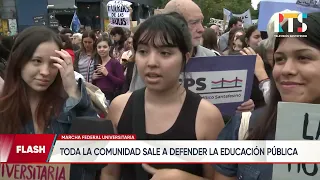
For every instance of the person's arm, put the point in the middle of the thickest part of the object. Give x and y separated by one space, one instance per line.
260 73
112 171
219 176
82 106
209 123
229 132
118 78
1 84
264 86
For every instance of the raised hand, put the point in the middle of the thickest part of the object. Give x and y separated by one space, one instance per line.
259 69
65 66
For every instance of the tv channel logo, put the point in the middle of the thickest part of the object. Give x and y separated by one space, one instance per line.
290 17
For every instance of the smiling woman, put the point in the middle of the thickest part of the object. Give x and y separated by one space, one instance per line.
296 78
40 92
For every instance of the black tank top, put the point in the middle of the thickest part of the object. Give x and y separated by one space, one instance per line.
182 129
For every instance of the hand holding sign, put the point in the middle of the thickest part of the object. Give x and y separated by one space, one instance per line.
119 13
246 106
165 174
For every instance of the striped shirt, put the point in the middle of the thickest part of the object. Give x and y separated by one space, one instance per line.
86 66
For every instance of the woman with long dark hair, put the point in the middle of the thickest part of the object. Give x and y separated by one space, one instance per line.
235 32
108 75
84 58
164 109
119 37
296 78
210 40
39 80
253 36
40 94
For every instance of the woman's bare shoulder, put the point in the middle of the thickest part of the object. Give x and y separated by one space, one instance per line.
117 106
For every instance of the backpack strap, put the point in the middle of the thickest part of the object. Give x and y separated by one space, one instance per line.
139 127
244 125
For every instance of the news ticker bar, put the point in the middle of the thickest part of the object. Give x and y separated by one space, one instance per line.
103 148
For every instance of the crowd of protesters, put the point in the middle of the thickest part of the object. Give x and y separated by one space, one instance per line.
47 80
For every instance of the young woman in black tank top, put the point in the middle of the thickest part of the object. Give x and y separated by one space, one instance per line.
164 110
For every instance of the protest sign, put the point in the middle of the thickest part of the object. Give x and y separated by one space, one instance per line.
218 22
35 171
119 13
310 3
225 81
254 21
304 123
245 17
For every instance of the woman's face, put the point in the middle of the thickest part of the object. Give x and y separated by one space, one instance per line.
296 71
254 39
238 34
103 49
237 45
129 43
116 37
88 43
39 72
160 68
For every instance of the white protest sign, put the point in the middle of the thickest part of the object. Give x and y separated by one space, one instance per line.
218 22
246 16
309 3
303 120
254 21
119 13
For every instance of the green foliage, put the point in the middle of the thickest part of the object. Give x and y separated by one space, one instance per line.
161 3
214 8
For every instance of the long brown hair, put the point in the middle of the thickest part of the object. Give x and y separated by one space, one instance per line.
232 34
15 109
210 40
266 125
86 34
100 39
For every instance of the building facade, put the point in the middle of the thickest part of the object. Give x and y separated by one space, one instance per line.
54 13
8 17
